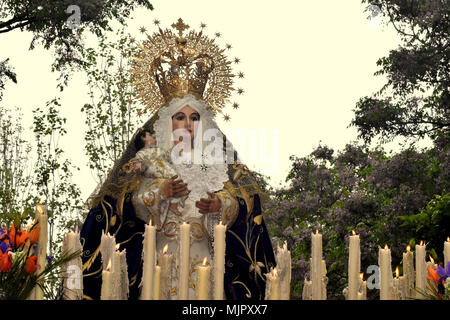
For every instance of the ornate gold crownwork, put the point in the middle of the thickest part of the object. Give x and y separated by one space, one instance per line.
170 65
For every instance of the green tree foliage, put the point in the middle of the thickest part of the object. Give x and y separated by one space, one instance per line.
364 190
415 102
53 172
54 25
112 114
16 173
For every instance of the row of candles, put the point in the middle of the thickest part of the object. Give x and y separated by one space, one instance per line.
157 281
398 288
156 278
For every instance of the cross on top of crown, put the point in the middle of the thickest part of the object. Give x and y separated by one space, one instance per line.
180 26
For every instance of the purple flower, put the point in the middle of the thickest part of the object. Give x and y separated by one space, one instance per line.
4 247
49 259
443 273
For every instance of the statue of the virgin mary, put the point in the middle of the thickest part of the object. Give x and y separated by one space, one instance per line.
184 80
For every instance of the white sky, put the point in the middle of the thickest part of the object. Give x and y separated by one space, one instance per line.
306 64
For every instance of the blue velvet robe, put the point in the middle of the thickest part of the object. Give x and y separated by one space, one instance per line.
242 281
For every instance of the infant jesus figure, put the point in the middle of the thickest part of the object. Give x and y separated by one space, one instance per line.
154 163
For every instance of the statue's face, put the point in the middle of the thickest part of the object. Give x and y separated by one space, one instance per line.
187 118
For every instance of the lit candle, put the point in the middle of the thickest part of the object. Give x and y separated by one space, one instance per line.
316 266
106 283
203 275
432 287
272 285
42 218
408 271
149 261
384 261
219 260
354 267
396 289
165 261
421 272
362 294
157 284
446 252
184 265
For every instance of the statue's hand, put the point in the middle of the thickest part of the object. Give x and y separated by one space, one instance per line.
137 166
213 204
174 188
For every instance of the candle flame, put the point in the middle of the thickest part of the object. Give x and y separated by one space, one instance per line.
448 239
353 232
150 223
317 231
421 242
408 248
166 247
361 276
397 273
108 267
204 261
275 272
39 208
117 246
40 201
385 247
431 259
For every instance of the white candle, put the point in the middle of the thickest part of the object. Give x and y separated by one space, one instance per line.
219 260
203 277
148 253
384 261
272 285
184 265
354 267
431 285
157 284
421 272
106 283
446 252
165 261
396 287
73 283
116 272
316 266
123 295
324 280
362 294
42 245
408 272
284 271
107 248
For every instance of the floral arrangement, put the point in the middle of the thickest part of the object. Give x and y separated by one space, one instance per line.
18 263
439 282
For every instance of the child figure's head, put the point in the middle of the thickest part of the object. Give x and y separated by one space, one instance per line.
143 138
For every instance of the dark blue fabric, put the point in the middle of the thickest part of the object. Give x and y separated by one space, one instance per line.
240 283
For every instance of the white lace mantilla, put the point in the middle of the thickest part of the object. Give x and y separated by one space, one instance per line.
201 175
202 178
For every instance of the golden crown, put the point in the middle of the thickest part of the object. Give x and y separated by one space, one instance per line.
170 65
